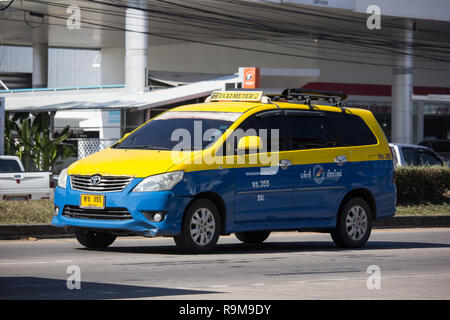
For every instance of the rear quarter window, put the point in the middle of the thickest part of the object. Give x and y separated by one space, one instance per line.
351 129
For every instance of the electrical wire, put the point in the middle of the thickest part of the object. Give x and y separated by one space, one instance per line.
293 28
2 7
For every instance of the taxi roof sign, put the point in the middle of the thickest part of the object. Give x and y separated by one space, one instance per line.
249 96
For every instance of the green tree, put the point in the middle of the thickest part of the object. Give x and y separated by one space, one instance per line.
34 144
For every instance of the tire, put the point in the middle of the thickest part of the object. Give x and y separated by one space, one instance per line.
200 228
252 237
354 224
94 239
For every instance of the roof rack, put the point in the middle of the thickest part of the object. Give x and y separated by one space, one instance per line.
306 96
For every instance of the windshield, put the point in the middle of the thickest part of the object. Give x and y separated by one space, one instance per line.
180 130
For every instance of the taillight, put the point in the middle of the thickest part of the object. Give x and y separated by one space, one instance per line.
52 182
394 161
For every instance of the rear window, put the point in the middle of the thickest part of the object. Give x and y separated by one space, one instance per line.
351 129
7 165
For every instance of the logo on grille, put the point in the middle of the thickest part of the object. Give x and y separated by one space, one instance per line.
95 179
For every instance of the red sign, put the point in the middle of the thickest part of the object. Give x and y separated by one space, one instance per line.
251 78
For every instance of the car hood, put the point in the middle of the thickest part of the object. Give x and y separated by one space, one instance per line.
127 162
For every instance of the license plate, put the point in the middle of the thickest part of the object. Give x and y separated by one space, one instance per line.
92 201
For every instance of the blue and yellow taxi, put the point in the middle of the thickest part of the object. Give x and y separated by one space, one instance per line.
243 162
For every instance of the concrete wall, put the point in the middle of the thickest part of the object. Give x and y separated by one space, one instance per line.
194 57
209 59
113 66
429 9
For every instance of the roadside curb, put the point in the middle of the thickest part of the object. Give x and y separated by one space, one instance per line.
438 221
47 231
39 231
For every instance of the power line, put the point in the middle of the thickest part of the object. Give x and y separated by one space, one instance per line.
211 19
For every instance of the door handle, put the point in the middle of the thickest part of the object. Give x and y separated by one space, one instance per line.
340 160
285 163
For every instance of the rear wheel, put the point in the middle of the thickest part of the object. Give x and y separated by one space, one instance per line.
94 239
201 227
252 237
354 224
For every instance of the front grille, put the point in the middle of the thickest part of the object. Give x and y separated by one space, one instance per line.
106 183
97 214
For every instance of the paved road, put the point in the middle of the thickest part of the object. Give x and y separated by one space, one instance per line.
413 264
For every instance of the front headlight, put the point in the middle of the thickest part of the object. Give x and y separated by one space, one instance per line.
159 182
62 179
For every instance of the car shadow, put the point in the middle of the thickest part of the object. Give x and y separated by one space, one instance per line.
36 288
273 247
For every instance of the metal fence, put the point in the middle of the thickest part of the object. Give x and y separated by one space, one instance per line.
89 146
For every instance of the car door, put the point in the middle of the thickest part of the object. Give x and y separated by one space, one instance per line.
319 165
263 190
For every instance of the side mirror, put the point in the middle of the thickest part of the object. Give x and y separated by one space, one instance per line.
250 143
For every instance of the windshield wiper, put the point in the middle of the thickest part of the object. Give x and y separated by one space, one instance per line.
149 147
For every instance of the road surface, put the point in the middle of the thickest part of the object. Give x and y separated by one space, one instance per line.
396 264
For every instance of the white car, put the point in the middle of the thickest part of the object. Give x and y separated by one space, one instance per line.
414 155
16 184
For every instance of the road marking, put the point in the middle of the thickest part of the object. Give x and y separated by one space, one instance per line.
36 262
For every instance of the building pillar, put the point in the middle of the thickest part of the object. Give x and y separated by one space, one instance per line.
402 81
420 121
136 47
40 65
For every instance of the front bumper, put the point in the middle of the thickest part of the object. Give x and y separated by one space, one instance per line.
137 203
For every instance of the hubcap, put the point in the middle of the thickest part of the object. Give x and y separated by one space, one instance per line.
203 226
356 223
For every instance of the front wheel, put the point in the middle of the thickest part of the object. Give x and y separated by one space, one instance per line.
354 224
201 227
94 239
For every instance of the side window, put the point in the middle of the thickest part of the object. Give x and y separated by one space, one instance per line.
351 129
410 157
309 131
428 159
268 126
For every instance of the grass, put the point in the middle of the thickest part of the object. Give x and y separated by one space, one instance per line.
26 212
41 211
424 209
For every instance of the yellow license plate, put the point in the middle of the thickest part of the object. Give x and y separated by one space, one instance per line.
92 201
